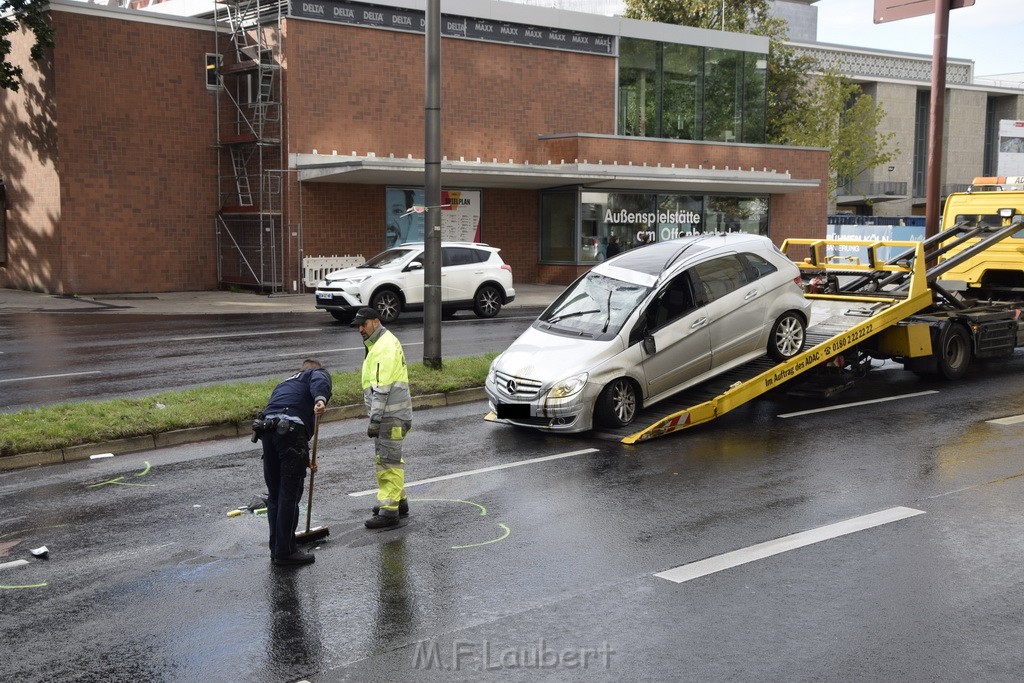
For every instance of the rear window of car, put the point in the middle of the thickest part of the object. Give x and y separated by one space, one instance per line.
462 256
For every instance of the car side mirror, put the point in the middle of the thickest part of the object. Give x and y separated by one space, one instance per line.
415 265
649 346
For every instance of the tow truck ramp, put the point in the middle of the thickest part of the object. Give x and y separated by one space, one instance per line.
839 321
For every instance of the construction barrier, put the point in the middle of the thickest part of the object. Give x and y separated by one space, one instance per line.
314 268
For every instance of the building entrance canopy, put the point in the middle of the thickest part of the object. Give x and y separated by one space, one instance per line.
368 170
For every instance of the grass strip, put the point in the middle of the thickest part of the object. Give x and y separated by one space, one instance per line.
71 424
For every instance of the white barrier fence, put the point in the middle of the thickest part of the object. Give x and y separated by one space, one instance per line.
314 268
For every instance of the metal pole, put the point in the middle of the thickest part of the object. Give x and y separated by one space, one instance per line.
938 97
432 191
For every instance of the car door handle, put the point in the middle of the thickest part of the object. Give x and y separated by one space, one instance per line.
750 295
697 323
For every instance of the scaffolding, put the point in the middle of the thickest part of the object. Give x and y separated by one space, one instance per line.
250 227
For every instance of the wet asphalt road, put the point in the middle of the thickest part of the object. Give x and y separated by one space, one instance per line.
148 579
56 357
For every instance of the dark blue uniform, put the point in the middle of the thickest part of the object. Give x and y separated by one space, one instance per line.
286 452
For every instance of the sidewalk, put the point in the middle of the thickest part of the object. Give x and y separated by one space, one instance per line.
207 303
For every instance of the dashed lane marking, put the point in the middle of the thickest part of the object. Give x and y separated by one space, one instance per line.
1015 419
482 470
63 374
760 551
859 403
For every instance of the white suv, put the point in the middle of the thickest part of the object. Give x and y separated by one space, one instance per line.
472 276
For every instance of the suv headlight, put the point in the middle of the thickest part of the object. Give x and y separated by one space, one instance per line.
568 387
353 280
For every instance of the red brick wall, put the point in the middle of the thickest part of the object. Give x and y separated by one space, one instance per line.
138 168
28 166
126 124
364 93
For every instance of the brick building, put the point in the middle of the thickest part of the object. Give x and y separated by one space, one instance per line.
161 153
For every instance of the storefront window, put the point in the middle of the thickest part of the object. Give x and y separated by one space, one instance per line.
558 234
737 214
627 220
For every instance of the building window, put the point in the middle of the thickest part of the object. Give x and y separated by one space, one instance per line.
685 92
921 119
213 62
632 219
682 114
639 86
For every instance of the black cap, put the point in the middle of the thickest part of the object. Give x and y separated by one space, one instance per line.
363 314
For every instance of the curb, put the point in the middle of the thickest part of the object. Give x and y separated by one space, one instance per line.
227 430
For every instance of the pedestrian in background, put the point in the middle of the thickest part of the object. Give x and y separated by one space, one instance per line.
285 427
613 247
385 381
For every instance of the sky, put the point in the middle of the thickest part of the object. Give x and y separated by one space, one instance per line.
989 32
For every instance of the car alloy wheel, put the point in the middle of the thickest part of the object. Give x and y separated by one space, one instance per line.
787 336
388 305
487 302
617 404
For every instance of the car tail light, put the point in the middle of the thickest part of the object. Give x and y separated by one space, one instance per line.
505 266
798 281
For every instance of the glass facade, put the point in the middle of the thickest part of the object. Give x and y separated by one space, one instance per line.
685 92
632 219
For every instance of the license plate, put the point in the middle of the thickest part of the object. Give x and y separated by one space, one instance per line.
513 411
324 295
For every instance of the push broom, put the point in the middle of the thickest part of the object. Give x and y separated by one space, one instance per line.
316 533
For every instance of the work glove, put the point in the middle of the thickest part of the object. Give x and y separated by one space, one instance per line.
373 431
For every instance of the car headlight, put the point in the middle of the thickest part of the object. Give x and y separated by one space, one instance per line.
357 280
568 387
491 372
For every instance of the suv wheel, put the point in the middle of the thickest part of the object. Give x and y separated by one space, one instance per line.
487 302
388 305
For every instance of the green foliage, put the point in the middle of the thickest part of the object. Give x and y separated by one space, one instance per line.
70 424
844 119
828 112
16 15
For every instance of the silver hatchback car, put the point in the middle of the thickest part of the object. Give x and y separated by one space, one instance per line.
647 324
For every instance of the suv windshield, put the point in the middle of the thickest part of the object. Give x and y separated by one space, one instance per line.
596 304
387 258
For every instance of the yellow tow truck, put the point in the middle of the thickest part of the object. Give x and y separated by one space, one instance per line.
934 306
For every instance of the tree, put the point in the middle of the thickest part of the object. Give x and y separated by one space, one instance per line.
16 15
845 120
829 112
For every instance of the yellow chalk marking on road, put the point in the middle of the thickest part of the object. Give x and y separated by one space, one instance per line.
145 471
34 585
493 540
483 510
483 513
37 528
104 483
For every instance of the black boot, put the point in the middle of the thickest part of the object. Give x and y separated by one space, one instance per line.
382 521
403 508
298 557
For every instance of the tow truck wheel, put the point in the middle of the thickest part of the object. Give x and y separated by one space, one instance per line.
617 404
787 336
954 352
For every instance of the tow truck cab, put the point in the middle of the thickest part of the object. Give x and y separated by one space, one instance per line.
998 273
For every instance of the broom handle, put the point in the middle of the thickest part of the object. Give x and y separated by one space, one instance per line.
309 505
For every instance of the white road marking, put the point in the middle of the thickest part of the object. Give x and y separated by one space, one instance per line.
65 374
482 470
1008 420
858 403
323 352
15 563
760 551
235 335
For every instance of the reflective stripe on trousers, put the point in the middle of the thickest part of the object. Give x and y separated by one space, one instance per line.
390 466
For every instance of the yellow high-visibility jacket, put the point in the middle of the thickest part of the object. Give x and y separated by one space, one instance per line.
386 378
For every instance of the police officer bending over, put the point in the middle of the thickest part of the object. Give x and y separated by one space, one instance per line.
285 427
